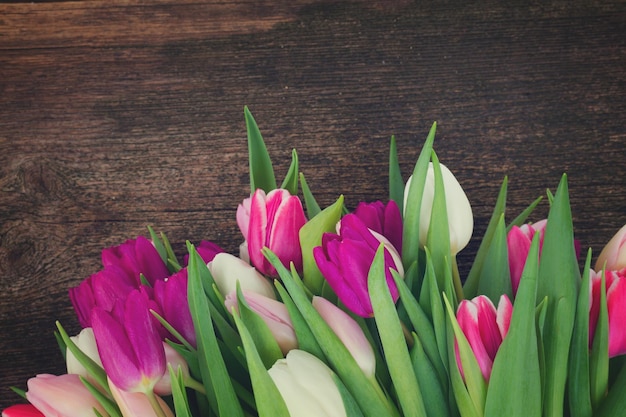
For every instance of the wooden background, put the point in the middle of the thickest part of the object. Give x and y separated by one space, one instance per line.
115 115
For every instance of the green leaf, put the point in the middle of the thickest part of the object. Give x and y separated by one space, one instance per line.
578 381
367 393
261 170
179 393
311 236
266 345
349 403
558 259
470 288
521 218
615 402
599 358
269 401
460 402
312 208
496 279
517 362
290 183
429 382
306 339
423 327
475 385
439 232
411 227
111 408
392 339
215 375
396 184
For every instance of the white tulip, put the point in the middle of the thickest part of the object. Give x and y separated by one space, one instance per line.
307 386
460 217
86 342
227 270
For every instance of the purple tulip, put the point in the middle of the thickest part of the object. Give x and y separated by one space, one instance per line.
137 256
384 219
275 222
129 343
103 289
616 305
171 296
63 395
345 260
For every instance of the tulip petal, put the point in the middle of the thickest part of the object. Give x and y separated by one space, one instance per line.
616 303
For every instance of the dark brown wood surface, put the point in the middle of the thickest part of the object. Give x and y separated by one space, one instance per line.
115 115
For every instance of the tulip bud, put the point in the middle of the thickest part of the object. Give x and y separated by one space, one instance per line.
485 328
135 404
137 256
171 297
63 395
274 314
345 260
349 332
86 342
307 386
275 223
614 253
130 345
518 243
616 306
22 410
227 270
460 218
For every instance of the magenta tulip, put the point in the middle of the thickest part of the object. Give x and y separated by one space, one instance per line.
22 410
384 219
207 251
274 314
137 256
275 222
485 328
616 305
345 260
63 395
614 253
129 344
171 296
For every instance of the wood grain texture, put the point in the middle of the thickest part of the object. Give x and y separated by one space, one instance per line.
117 115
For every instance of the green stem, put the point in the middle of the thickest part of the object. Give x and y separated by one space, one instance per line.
154 402
194 385
456 280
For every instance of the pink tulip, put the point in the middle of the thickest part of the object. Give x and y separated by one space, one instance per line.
345 259
616 305
485 328
22 410
62 396
349 332
129 344
176 361
614 253
135 404
274 314
275 222
518 242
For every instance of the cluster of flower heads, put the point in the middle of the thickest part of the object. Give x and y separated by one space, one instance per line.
139 329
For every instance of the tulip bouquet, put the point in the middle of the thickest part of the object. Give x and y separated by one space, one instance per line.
355 313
